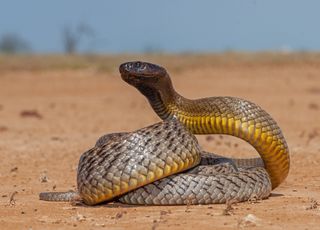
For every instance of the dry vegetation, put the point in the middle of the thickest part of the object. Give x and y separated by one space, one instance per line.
175 62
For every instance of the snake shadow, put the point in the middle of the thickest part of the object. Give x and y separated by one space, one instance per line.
108 205
275 195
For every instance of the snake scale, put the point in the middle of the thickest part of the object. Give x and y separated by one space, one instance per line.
163 164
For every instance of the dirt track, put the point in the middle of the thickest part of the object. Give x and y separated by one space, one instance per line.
48 117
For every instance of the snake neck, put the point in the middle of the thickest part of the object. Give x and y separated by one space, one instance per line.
163 101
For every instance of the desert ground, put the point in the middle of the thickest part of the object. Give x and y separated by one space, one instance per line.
53 108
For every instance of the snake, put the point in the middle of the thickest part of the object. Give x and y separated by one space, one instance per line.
163 164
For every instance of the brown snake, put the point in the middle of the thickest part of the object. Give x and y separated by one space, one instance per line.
138 167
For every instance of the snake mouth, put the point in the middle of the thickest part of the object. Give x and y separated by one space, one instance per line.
137 71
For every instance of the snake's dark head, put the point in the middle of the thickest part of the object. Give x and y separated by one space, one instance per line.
143 74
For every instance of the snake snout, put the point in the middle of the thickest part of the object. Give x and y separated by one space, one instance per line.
128 67
138 68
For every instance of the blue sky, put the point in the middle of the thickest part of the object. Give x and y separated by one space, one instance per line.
167 25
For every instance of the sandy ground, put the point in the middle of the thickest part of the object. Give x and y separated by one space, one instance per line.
50 116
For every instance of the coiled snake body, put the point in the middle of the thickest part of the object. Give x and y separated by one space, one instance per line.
144 167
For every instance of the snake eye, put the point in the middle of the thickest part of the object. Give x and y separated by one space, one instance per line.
140 66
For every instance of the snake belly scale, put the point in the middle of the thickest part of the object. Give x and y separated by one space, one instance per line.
163 163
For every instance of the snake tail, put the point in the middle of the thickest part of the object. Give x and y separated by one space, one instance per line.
59 196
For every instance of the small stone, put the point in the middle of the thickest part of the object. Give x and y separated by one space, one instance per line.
3 128
119 215
163 213
249 221
209 138
313 106
56 221
14 169
99 224
80 217
31 113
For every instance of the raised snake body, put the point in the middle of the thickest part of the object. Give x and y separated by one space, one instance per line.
138 167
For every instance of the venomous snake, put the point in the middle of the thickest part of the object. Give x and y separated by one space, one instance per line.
163 164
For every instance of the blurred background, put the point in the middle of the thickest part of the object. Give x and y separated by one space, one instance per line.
78 26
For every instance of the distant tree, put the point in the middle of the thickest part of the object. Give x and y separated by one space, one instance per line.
73 35
70 40
12 43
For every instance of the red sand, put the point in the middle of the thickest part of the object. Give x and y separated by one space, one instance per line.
49 117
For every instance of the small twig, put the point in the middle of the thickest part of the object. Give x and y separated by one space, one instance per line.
228 211
254 199
314 205
12 200
43 177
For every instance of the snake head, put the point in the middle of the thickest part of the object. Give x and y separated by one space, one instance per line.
139 73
